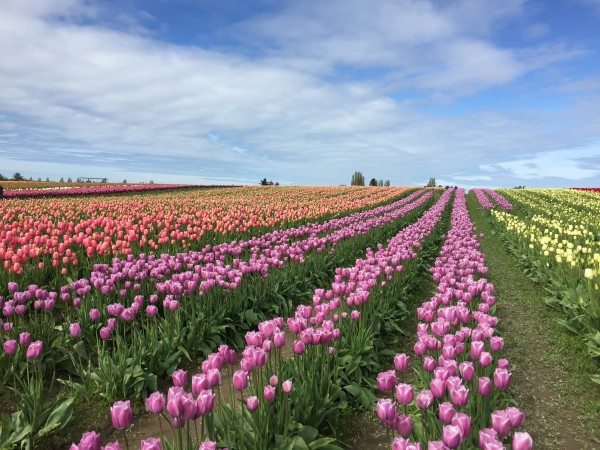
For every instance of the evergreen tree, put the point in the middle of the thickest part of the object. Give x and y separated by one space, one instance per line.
373 182
358 179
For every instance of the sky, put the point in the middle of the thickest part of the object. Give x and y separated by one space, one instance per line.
471 92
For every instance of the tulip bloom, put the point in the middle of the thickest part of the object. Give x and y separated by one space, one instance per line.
401 361
10 347
24 339
502 378
121 414
112 446
451 436
240 380
385 410
208 445
521 441
424 399
446 412
252 403
404 393
484 386
501 423
287 386
155 403
35 350
75 330
151 444
179 378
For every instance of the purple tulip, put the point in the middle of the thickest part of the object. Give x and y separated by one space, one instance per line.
424 399
112 446
94 314
404 393
35 350
287 386
150 444
451 436
10 347
269 393
199 383
404 444
446 413
75 329
385 410
462 421
298 346
516 416
436 445
521 441
121 414
459 396
438 387
484 386
401 362
404 425
502 378
274 380
90 440
496 343
155 403
485 359
179 378
252 403
24 339
467 370
501 422
208 445
386 381
487 435
240 380
206 402
429 364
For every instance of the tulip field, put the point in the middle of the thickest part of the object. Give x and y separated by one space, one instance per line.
256 318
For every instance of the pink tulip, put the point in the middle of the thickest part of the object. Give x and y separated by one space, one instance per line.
298 347
404 425
112 446
436 445
424 399
199 383
10 347
208 445
451 436
521 441
269 393
501 422
240 380
459 396
401 361
446 412
502 378
206 402
404 393
155 403
485 359
487 435
467 370
437 387
24 339
94 314
429 364
386 381
462 421
121 414
252 403
484 386
90 440
75 330
385 410
496 343
179 378
287 386
35 350
516 416
274 380
151 444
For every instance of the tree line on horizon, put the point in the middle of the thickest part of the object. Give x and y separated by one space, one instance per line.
358 179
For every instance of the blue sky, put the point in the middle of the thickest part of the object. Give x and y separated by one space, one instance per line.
303 92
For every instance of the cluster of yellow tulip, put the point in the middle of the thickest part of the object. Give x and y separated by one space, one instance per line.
557 233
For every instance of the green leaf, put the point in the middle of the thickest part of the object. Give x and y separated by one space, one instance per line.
58 418
308 433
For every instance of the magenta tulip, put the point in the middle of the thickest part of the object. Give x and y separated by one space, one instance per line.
35 350
10 347
501 422
404 425
252 403
179 378
75 329
386 381
121 414
451 436
206 402
401 361
424 399
385 410
269 393
155 403
274 380
459 396
24 339
484 386
446 412
521 441
404 393
502 378
516 416
240 380
462 421
151 444
112 446
287 386
208 445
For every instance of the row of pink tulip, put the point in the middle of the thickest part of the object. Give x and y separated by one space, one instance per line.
97 190
190 272
459 375
313 326
483 197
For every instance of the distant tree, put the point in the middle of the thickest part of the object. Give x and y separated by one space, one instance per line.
264 182
62 180
431 182
271 183
125 181
39 179
2 177
380 183
18 177
277 183
373 182
151 181
69 180
358 179
30 178
387 183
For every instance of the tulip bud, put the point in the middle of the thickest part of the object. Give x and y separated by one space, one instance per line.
287 386
269 393
121 414
155 403
522 441
75 330
451 436
404 393
240 380
252 403
150 444
401 361
35 350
